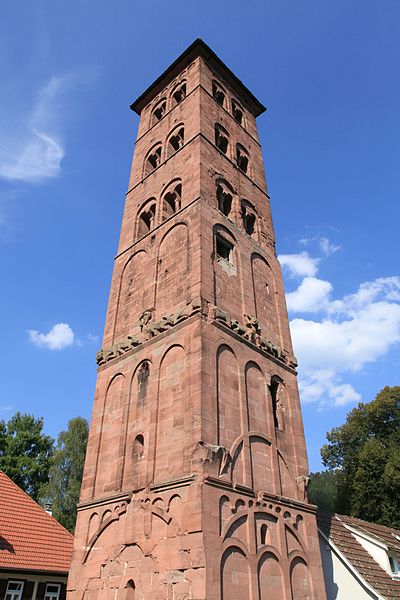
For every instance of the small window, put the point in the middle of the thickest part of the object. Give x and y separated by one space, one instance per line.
276 403
159 112
223 248
171 201
263 534
218 93
394 566
237 112
14 590
153 160
221 138
130 590
179 93
176 141
224 199
249 219
242 158
146 220
52 591
138 447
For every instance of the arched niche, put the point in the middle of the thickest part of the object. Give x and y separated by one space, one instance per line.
264 298
228 397
300 581
270 578
235 574
134 293
172 271
111 437
135 462
170 445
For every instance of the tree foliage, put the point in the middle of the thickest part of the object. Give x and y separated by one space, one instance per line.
322 490
25 452
66 472
364 453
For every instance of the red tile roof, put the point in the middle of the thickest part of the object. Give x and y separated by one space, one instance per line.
333 526
30 539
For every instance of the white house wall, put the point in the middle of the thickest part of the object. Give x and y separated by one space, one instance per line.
340 582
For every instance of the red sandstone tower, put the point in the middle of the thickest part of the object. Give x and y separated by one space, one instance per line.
196 470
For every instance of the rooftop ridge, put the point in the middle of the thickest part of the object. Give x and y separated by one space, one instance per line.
197 48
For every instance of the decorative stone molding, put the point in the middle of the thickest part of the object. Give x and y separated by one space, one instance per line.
251 331
148 330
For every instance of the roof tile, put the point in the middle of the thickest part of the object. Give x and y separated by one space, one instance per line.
29 537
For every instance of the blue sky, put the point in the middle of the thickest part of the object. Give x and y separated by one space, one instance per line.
328 71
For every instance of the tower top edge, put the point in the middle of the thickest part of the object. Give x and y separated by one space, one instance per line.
196 49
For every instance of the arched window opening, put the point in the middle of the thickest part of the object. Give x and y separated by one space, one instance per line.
146 220
237 112
153 160
242 158
263 534
143 382
171 202
223 249
274 390
224 199
159 111
176 141
130 590
249 219
138 448
179 93
221 138
218 93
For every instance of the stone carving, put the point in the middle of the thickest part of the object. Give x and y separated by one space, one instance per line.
210 453
148 331
302 483
251 331
145 319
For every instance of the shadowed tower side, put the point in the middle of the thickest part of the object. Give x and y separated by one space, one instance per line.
196 469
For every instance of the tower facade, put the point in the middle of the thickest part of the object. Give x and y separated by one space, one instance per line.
196 469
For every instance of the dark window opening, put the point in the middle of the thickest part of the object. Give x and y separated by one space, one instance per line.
223 248
237 112
276 409
218 93
249 220
221 138
179 94
153 160
138 447
263 533
224 199
176 141
242 158
159 111
172 202
130 590
146 220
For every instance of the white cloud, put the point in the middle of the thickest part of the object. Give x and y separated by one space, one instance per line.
353 331
312 295
327 247
32 148
299 265
59 337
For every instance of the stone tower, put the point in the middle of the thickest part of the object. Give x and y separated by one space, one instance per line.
196 470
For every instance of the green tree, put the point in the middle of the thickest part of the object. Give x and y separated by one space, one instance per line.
25 452
364 453
66 472
322 490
